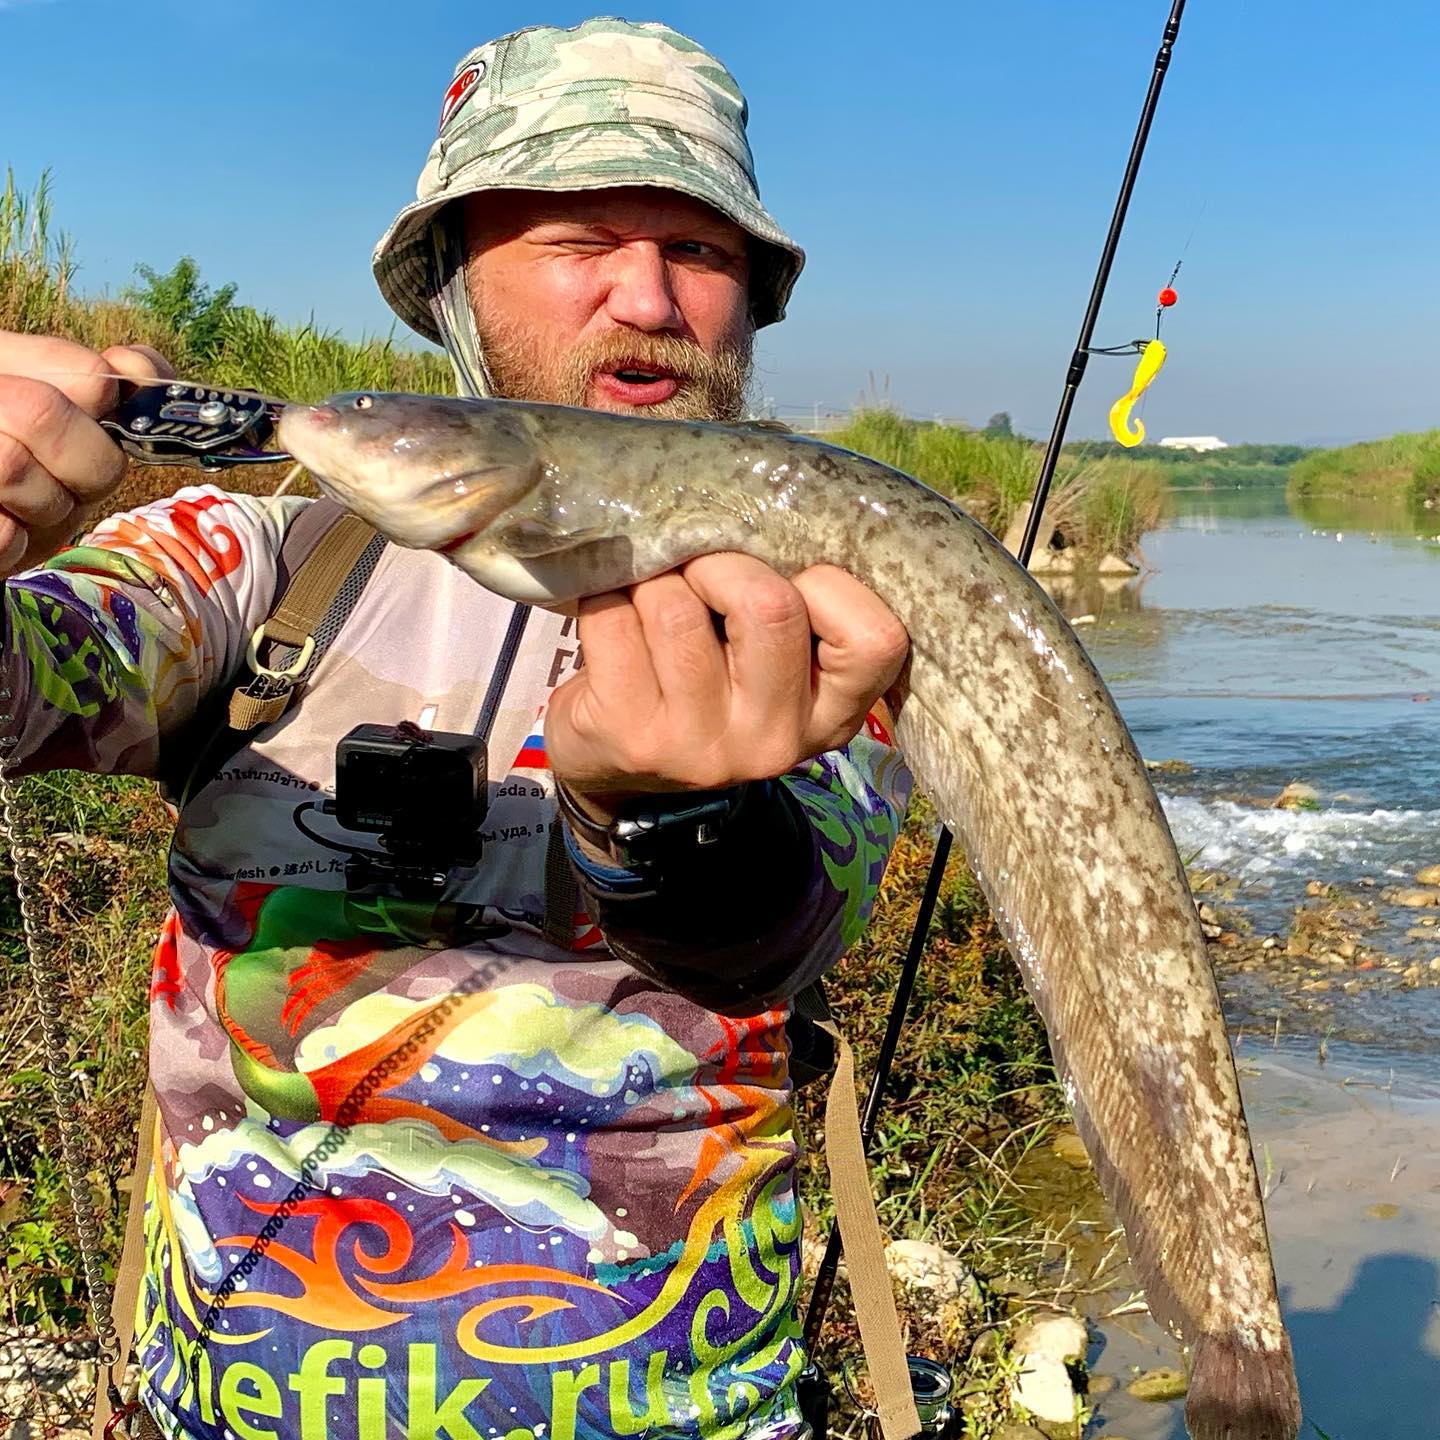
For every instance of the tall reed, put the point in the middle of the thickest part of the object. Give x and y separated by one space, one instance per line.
1102 505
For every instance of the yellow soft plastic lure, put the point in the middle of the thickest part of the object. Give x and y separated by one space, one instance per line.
1152 357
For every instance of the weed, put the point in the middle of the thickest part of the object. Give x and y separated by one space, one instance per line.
1101 505
1402 468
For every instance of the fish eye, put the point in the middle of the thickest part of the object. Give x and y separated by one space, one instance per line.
364 402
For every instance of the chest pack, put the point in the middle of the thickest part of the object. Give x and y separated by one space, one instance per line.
325 561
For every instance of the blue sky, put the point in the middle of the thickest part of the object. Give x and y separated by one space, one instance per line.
949 167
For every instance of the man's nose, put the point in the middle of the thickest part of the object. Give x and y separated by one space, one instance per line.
641 295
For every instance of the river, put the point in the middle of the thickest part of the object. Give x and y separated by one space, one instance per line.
1267 643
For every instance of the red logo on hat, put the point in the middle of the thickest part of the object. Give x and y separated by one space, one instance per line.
459 91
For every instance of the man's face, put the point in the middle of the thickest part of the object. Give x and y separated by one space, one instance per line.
633 300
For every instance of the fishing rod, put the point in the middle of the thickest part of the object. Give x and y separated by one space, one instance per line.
829 1264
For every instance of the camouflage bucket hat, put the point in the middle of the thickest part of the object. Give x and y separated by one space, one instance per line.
606 104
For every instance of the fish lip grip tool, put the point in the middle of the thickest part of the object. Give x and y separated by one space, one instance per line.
182 423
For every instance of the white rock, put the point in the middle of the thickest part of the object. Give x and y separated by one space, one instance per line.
1061 1337
927 1267
1043 1388
1114 565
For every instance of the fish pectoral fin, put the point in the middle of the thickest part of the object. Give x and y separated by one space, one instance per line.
527 538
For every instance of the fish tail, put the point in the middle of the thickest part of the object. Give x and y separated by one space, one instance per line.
1241 1392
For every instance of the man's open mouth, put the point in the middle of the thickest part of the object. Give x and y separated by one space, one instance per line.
636 384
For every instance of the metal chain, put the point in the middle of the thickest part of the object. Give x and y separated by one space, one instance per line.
49 979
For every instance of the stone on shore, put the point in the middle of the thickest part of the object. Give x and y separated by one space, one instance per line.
1161 1384
1043 1388
1416 899
924 1266
1170 767
1114 565
1430 875
1015 533
1052 562
1061 1337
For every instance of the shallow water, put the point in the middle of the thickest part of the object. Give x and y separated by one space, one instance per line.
1354 1215
1271 645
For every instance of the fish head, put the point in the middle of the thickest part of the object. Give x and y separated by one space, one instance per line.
427 471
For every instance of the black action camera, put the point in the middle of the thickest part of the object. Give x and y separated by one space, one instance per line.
421 793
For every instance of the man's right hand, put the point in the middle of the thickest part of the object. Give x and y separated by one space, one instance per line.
57 466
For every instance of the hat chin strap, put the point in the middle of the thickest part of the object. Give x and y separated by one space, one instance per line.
450 305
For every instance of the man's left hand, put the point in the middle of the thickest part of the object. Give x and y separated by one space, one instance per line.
717 673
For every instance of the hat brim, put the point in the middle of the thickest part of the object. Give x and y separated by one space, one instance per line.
401 259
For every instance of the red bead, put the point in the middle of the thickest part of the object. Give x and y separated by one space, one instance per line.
1168 297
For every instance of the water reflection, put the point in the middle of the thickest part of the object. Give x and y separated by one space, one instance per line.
1206 507
1346 512
1095 595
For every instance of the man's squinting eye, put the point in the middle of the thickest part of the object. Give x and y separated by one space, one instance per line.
702 250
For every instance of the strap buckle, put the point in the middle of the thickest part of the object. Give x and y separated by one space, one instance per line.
292 672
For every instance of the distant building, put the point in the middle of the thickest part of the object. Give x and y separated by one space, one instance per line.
1193 442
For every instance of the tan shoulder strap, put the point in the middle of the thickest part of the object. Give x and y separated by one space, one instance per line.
864 1246
305 601
126 1293
317 582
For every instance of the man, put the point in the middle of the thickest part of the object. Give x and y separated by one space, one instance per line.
420 1176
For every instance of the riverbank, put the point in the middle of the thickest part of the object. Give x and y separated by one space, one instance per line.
1401 470
1098 507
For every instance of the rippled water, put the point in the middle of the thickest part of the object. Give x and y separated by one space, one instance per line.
1272 644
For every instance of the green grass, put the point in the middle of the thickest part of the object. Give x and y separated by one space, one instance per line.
1099 504
1403 469
305 363
100 844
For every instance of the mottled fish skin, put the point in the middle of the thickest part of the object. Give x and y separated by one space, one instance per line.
1005 723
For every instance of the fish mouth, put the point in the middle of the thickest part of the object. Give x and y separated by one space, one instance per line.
384 468
631 381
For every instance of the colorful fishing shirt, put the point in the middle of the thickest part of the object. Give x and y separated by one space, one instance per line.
503 1189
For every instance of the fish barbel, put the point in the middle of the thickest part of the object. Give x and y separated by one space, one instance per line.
1004 722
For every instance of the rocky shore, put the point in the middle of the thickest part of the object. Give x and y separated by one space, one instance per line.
1366 937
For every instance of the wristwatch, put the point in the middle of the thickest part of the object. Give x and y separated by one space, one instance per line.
662 830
